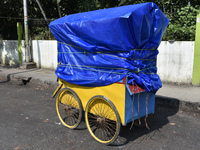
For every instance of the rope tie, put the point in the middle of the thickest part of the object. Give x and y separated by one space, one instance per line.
138 106
111 51
95 67
146 103
132 106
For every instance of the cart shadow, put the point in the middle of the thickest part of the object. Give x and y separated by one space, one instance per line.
131 133
82 125
165 107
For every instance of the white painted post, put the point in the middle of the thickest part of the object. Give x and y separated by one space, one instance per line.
27 49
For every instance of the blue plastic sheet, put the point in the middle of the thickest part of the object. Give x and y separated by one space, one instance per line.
101 47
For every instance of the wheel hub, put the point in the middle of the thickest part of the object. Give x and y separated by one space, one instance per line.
67 108
100 120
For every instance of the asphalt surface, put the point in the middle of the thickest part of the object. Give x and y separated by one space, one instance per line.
29 121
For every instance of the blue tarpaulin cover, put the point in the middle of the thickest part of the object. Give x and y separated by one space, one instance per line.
101 47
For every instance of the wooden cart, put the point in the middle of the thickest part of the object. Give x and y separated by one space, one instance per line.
105 107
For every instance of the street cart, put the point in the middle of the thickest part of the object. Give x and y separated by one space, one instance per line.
107 67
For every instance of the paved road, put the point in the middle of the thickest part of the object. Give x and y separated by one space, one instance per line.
28 120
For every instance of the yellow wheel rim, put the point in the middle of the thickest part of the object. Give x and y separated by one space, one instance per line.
102 120
69 108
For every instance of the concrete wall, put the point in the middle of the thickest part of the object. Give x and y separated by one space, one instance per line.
44 53
9 52
174 62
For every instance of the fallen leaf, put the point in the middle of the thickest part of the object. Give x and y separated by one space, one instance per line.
46 120
16 148
172 124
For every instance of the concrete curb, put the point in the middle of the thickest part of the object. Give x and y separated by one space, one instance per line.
163 101
19 78
180 105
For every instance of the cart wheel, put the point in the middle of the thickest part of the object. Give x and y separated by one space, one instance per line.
102 119
69 108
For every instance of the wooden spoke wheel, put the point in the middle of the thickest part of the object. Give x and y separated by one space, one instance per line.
69 108
102 120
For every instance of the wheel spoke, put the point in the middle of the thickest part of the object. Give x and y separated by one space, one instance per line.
111 127
108 132
105 131
101 120
109 114
111 130
92 116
